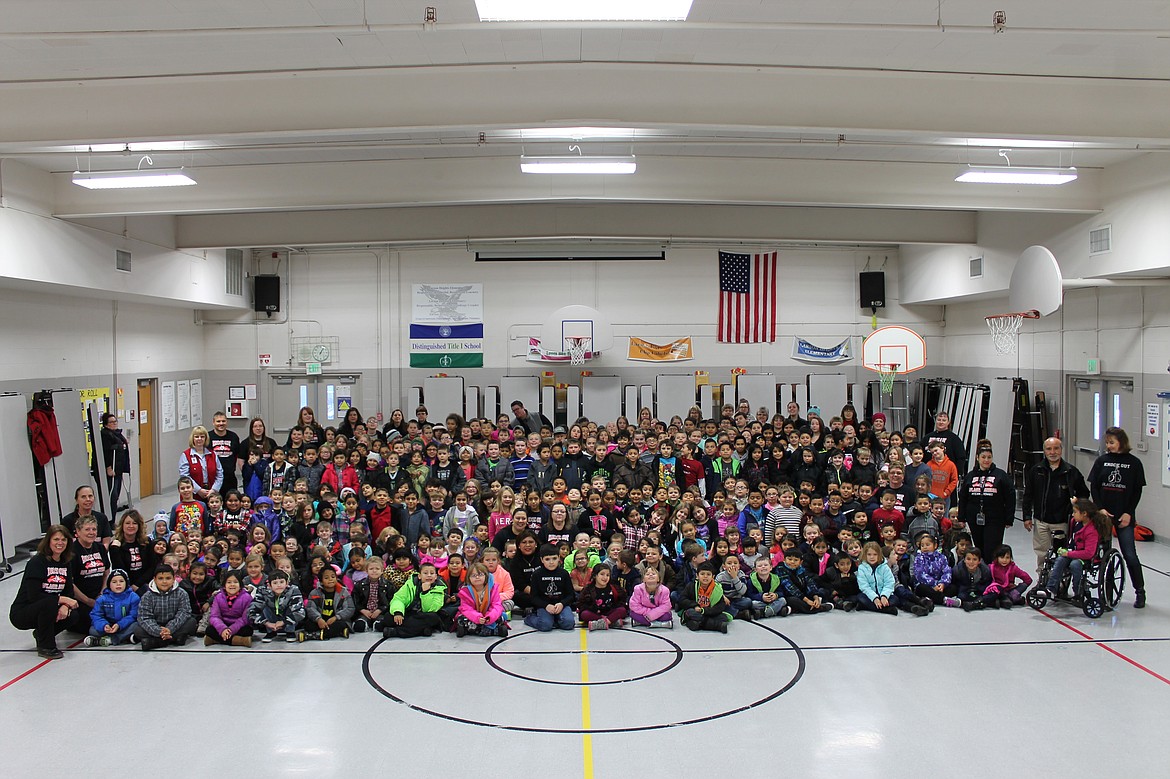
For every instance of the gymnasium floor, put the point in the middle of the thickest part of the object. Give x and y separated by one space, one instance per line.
848 695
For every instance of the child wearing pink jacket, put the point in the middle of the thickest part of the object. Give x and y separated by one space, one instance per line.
481 612
650 602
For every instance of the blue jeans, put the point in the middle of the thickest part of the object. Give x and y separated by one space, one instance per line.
544 622
117 638
1061 565
1125 542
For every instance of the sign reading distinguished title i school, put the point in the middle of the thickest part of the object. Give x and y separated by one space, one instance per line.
446 326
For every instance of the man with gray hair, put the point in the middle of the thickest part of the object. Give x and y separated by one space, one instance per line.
1050 488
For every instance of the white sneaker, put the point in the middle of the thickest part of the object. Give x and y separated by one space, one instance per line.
105 641
598 624
90 641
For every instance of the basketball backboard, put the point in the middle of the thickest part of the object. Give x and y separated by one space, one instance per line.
570 323
891 346
1037 284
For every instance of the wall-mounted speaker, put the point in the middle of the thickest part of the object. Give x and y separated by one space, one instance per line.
873 289
266 297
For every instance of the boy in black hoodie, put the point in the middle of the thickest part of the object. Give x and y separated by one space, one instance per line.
552 594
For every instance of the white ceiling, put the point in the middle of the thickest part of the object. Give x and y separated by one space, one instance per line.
331 104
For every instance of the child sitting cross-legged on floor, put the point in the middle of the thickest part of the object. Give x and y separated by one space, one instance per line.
278 608
702 604
602 604
114 612
481 609
328 609
650 602
228 623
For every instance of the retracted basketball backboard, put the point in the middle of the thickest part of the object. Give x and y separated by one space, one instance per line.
577 330
893 350
1037 284
1036 289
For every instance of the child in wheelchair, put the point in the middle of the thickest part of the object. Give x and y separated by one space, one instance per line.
1092 529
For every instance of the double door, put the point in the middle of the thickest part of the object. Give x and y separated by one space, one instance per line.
330 395
1095 404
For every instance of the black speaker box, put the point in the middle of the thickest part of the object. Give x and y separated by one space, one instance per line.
267 294
873 289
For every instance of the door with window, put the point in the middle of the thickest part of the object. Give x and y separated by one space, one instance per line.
1097 403
330 395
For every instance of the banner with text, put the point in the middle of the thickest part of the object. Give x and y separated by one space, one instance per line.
536 353
446 326
807 352
676 351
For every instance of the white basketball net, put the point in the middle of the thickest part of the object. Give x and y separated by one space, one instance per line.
577 349
888 374
1005 331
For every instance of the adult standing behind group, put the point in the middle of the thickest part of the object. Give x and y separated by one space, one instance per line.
83 498
44 604
201 465
1049 491
1116 482
526 419
226 446
987 503
116 451
313 433
956 452
255 450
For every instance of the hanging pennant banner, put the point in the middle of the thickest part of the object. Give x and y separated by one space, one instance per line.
806 352
676 351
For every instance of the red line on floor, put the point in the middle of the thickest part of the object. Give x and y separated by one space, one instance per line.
1106 647
36 667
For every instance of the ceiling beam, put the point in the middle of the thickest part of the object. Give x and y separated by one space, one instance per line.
666 222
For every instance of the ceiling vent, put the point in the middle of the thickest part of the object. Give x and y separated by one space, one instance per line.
1101 240
122 260
976 268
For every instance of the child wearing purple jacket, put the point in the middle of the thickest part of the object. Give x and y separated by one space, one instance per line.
228 621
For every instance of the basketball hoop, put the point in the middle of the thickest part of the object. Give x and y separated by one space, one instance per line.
1005 329
888 373
577 349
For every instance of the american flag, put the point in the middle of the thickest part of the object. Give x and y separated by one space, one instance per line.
747 297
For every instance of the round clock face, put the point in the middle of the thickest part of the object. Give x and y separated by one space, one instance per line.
320 353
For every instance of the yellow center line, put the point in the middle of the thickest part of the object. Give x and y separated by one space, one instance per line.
586 724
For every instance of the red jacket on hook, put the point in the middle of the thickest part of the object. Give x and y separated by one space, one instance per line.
43 436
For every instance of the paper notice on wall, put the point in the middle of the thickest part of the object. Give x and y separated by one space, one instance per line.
167 406
196 402
184 401
1153 425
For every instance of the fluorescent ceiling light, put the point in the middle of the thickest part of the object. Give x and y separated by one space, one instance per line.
1020 143
133 179
577 133
1001 174
583 10
576 164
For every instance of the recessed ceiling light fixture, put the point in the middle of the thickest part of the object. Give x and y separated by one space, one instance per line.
583 10
1000 174
142 178
580 165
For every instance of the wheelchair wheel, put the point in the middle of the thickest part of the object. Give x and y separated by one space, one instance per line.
1113 578
1037 599
1093 608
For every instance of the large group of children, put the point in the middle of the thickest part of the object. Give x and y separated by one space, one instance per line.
464 526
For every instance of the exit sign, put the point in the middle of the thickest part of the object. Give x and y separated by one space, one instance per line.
1094 366
313 368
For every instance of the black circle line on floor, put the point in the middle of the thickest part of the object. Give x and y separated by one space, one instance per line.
490 653
581 731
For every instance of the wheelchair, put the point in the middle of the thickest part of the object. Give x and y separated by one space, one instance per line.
1102 579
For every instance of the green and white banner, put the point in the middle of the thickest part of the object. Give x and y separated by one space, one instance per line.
446 329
